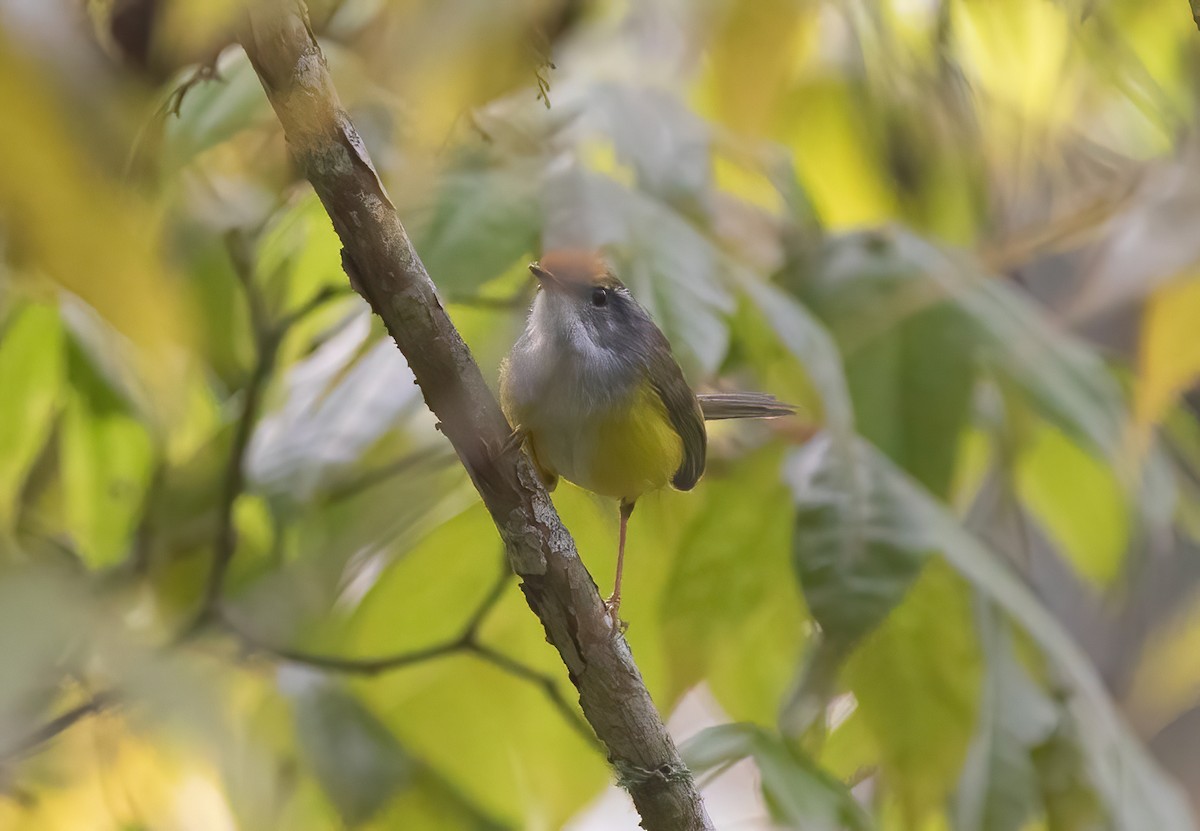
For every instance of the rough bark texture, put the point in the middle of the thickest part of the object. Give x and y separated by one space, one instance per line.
386 270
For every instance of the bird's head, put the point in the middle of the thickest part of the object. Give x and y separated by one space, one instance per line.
581 301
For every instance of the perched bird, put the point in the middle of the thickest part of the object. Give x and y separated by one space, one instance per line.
594 393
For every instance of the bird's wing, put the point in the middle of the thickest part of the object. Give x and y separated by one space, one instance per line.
684 413
720 405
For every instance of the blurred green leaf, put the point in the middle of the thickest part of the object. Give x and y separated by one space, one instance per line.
709 590
430 803
67 219
494 736
491 735
356 759
726 581
1068 382
1127 781
482 222
215 110
852 567
799 794
812 346
335 404
917 680
665 143
32 363
1071 801
999 788
912 391
1078 500
910 359
106 458
853 547
401 610
43 611
670 266
753 54
297 255
995 325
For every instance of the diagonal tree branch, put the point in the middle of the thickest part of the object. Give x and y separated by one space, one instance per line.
385 269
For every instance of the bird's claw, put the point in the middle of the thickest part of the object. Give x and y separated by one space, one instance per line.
612 606
497 450
513 441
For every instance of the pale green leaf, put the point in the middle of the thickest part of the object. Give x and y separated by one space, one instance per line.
917 680
999 788
727 584
1079 502
799 794
106 458
483 222
31 374
215 110
1131 787
670 267
359 764
494 737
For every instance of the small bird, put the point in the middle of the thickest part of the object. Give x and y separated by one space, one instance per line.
595 395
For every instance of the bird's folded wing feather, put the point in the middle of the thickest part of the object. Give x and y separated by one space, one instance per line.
722 405
684 413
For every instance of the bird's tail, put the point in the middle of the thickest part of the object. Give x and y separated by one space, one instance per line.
721 405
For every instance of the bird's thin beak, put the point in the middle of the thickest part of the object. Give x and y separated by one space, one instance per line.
544 276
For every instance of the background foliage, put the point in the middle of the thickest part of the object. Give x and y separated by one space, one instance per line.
960 592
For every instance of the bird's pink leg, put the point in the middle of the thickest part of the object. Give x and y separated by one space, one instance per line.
614 602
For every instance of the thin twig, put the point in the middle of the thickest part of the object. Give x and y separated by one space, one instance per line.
57 725
241 257
373 666
319 299
141 549
470 632
540 680
268 337
204 72
355 666
467 642
235 479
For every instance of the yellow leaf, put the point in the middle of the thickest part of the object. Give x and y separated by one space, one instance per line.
839 163
1169 353
1167 680
752 58
1019 53
68 220
917 680
1078 501
108 777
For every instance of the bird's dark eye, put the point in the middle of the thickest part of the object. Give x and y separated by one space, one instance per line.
599 297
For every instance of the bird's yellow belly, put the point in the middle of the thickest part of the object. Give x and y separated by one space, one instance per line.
622 452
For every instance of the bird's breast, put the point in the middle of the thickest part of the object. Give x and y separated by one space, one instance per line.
599 425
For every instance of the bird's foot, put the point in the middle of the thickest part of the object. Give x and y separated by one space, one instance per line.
612 606
513 442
